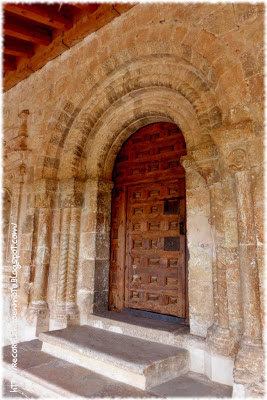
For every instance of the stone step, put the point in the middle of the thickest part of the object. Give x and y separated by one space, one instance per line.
42 375
136 362
139 326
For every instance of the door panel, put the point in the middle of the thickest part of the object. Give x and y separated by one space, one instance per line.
147 259
155 248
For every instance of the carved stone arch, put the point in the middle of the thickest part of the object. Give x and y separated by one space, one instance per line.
109 133
94 100
100 144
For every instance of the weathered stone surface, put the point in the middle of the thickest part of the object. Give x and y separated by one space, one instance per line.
196 65
137 362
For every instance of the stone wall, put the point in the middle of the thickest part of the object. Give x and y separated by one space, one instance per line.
197 65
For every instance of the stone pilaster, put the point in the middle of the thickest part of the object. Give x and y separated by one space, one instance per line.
71 201
207 164
94 249
249 361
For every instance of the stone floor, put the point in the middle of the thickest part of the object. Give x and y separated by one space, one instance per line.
70 380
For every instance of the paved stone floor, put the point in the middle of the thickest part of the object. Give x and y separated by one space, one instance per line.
72 379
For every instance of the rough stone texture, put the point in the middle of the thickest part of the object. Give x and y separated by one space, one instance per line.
137 362
64 126
69 380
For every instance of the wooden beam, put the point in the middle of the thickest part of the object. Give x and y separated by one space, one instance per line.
9 63
44 16
88 7
26 32
82 28
16 47
122 7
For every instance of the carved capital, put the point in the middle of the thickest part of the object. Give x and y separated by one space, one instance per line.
70 200
205 150
15 173
100 184
45 190
19 142
43 200
237 160
188 163
209 174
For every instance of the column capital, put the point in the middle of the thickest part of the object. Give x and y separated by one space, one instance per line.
205 150
188 163
237 160
44 193
209 173
100 184
71 193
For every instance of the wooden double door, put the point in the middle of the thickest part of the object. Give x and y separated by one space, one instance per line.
148 243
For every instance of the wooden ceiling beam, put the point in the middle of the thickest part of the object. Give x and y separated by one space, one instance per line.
18 48
38 14
88 7
9 63
24 32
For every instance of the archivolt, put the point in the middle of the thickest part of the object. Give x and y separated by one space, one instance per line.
164 72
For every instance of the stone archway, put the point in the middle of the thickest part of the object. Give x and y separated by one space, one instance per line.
148 243
85 141
148 106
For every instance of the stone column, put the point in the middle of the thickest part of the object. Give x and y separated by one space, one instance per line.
71 201
44 193
249 360
218 335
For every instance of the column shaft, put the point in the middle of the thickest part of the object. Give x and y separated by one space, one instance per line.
247 257
72 257
42 259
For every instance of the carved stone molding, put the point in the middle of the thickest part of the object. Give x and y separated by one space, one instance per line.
67 277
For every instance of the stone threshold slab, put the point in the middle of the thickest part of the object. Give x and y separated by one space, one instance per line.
136 362
138 326
159 331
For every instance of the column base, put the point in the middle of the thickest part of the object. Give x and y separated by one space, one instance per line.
38 306
67 315
249 368
220 341
38 317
